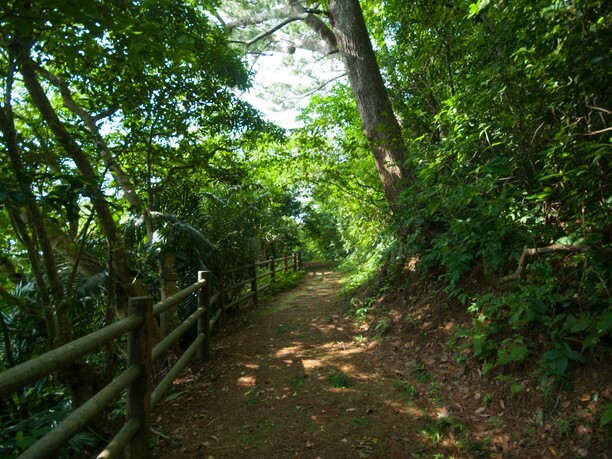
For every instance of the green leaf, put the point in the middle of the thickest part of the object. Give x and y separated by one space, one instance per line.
582 324
606 416
433 205
553 354
512 351
476 8
545 193
604 325
576 356
174 396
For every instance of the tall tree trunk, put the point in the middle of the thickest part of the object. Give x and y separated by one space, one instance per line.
130 286
49 287
380 125
80 377
349 36
168 286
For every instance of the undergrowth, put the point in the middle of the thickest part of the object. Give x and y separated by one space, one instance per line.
283 281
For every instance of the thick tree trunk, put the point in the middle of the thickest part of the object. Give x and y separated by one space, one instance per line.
379 122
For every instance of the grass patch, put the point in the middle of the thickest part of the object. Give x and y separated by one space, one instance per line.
420 373
406 388
299 381
339 380
435 389
284 281
436 431
495 421
252 397
360 421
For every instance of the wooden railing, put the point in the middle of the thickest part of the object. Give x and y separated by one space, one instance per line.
137 378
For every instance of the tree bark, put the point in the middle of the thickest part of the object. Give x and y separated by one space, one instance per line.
380 125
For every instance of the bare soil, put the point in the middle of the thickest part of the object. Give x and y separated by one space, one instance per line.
297 377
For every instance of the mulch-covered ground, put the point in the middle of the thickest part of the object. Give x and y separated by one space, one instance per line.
296 377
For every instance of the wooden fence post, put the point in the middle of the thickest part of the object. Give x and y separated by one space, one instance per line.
295 263
140 343
272 268
254 283
204 320
286 261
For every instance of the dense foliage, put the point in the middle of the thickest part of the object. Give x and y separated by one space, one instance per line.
124 170
505 109
509 134
128 163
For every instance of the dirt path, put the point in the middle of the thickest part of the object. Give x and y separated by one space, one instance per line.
294 378
291 382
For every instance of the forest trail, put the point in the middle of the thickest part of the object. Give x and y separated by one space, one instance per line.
292 380
295 378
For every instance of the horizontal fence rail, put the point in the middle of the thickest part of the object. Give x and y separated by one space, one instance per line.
133 437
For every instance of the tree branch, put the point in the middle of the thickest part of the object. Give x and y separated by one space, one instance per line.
51 284
315 46
595 132
105 114
321 86
278 26
120 176
14 276
529 252
319 27
256 18
294 11
8 351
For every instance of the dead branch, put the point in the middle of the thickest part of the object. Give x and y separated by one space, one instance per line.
595 132
529 252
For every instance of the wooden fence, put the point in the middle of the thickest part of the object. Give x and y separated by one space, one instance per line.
137 378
